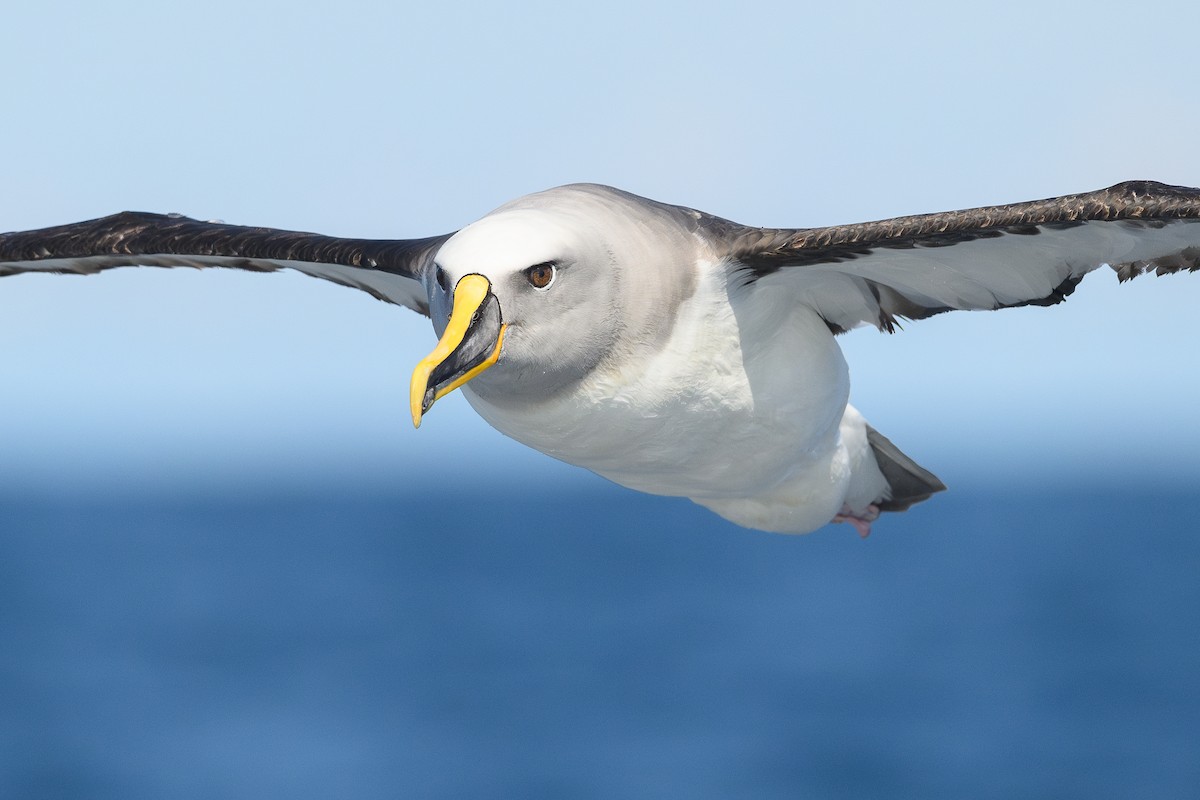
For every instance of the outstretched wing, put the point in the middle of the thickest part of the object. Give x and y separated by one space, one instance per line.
387 269
985 258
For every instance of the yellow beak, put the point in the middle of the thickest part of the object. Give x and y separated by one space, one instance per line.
470 344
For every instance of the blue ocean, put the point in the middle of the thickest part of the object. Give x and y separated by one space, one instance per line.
591 642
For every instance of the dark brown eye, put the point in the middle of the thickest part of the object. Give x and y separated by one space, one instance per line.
540 276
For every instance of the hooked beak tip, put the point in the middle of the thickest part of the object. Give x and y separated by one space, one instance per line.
467 346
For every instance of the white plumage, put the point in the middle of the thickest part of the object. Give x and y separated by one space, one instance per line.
675 352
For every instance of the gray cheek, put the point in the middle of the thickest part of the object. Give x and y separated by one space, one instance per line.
529 374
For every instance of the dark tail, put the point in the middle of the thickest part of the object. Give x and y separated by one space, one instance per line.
909 482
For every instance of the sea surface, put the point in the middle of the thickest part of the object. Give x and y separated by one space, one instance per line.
541 642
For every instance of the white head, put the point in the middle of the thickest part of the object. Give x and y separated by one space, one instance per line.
571 276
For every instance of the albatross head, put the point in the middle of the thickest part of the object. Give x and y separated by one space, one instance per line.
527 294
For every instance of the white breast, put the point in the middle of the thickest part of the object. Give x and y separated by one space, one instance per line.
748 389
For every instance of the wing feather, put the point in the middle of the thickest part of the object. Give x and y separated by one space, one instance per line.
995 257
387 269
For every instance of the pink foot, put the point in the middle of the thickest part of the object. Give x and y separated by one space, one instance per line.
861 522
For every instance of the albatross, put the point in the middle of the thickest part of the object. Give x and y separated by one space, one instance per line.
670 350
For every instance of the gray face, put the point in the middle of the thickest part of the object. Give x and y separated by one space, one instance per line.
621 267
556 332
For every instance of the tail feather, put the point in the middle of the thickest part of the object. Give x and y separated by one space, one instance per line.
908 482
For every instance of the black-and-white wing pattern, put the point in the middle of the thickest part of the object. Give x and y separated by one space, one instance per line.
1031 253
387 269
873 273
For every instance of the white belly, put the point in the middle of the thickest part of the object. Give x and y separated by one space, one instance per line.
743 402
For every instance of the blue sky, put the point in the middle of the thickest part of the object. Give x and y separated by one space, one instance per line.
367 120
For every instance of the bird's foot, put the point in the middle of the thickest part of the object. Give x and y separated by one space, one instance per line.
861 521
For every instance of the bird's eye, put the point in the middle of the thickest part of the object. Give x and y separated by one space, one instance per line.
443 280
540 276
